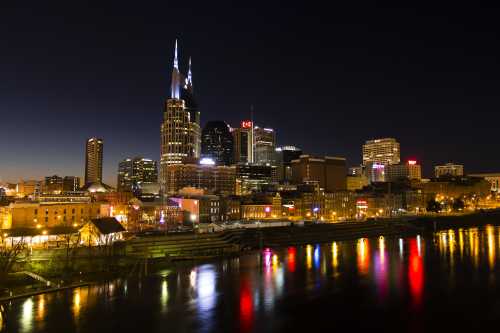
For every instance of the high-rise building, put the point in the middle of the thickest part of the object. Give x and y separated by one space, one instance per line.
136 171
244 143
411 170
264 145
449 169
328 173
93 161
284 157
180 130
381 151
217 143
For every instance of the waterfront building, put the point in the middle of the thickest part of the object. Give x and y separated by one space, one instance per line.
46 215
339 205
264 145
284 157
381 151
180 130
492 178
244 142
455 187
328 173
93 160
217 143
132 172
449 169
396 172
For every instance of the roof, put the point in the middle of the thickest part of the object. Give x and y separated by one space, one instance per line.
108 225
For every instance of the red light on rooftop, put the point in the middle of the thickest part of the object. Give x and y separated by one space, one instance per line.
246 124
412 162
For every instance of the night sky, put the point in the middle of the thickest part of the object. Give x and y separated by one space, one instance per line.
326 78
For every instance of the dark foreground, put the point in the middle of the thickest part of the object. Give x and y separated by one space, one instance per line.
424 283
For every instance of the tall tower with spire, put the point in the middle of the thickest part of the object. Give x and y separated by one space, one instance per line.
180 130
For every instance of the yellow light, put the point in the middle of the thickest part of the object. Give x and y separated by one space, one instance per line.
44 232
38 226
75 225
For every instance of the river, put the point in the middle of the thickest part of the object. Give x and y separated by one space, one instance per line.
445 281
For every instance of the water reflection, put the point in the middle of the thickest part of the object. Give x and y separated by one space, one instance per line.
227 294
363 254
415 273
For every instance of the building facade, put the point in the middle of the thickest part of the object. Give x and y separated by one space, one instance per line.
492 178
93 160
395 172
217 143
253 177
264 145
381 151
243 143
133 172
449 169
211 178
284 157
328 173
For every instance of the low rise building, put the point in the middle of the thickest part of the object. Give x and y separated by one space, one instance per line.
492 178
449 169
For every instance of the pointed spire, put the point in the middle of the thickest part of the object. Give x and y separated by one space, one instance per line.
176 62
176 76
190 75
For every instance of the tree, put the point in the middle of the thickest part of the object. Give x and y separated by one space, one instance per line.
9 256
433 206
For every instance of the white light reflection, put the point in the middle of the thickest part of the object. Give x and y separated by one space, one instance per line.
418 245
401 247
164 295
27 316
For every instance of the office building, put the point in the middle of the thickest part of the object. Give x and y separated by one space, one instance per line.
71 184
397 172
284 157
180 130
52 184
264 145
93 161
254 177
210 178
217 143
243 143
449 169
327 173
381 151
135 171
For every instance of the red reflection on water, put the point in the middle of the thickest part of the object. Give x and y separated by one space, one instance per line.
415 273
246 306
363 252
291 259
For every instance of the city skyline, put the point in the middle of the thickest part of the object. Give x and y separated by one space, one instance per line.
62 93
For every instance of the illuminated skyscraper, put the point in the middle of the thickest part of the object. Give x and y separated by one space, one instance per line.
381 151
180 130
244 143
136 171
217 142
264 145
93 161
